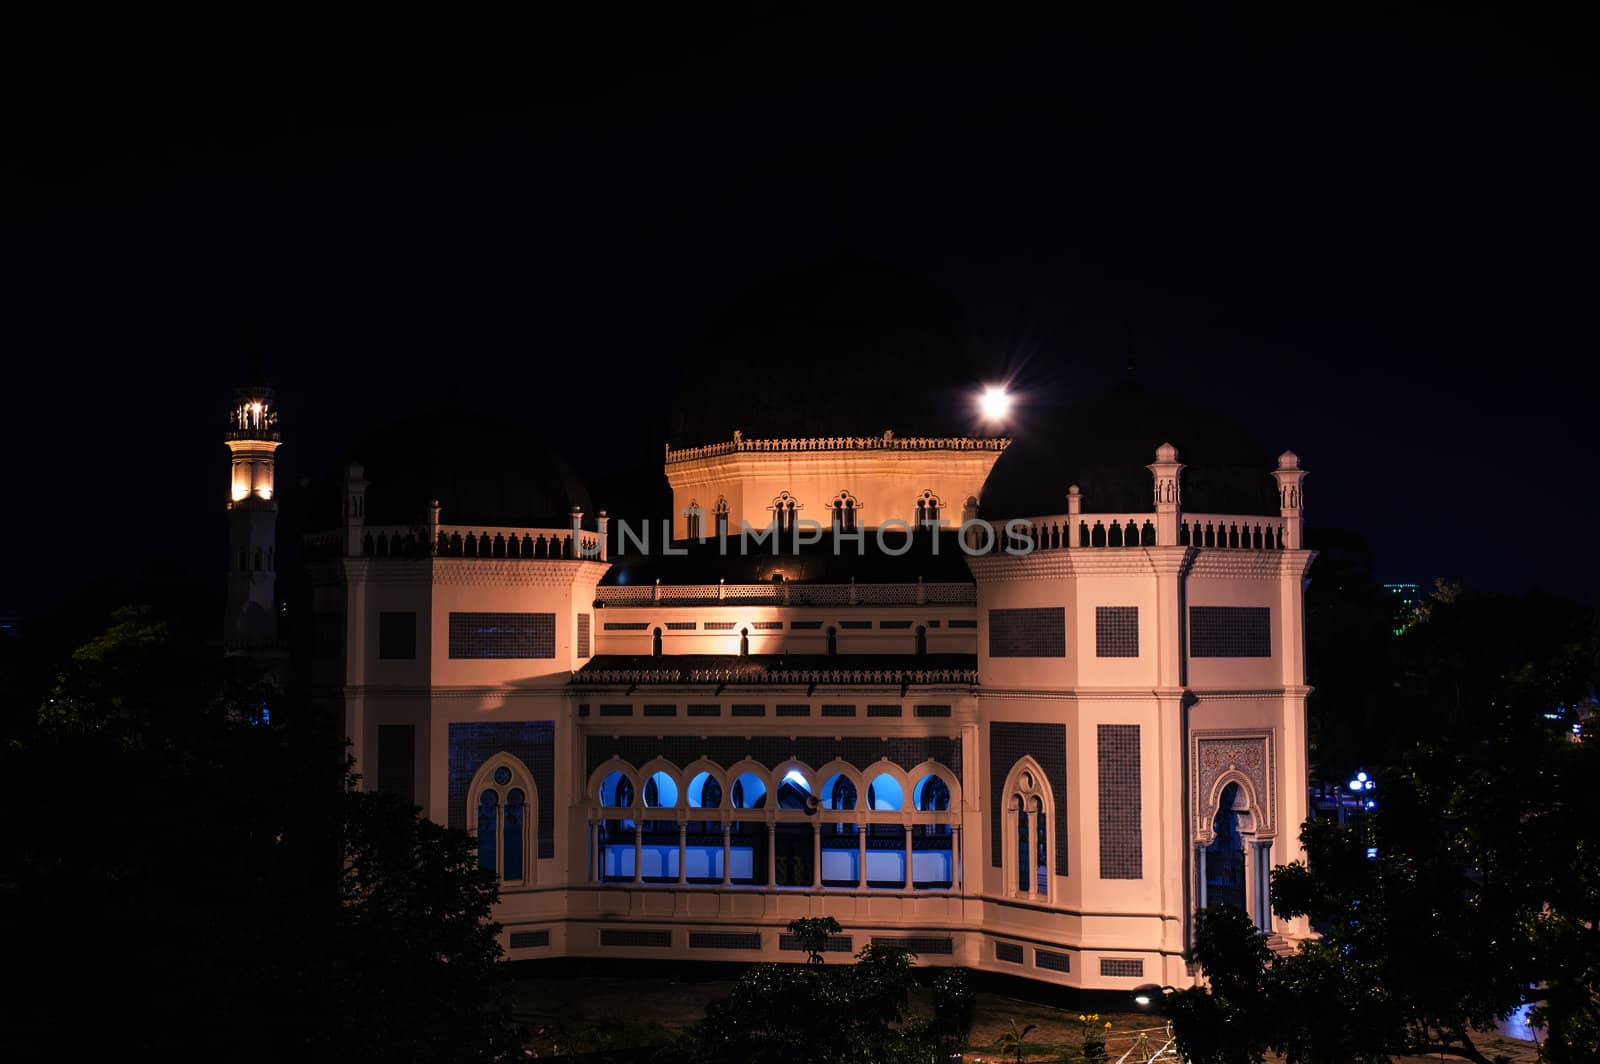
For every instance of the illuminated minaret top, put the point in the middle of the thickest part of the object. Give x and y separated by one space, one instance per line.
252 439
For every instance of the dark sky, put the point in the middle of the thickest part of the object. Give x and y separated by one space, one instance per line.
1375 244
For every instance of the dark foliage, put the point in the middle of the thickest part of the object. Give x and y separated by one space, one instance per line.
1484 892
832 1014
182 878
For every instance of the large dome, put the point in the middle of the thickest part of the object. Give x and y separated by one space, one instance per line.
487 471
846 346
1103 446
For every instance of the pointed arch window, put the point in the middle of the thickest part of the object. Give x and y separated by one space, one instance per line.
929 507
720 516
691 520
1030 846
500 810
785 509
844 510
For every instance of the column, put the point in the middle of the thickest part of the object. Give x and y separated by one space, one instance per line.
683 852
726 869
816 855
638 850
910 853
861 851
772 854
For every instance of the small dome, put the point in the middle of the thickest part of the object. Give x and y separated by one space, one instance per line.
487 471
845 347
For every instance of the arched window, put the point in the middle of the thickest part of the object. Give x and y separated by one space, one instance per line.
616 835
655 643
785 508
844 510
702 840
922 641
932 841
1030 846
691 520
748 838
720 515
659 856
1225 880
833 641
931 794
928 508
500 814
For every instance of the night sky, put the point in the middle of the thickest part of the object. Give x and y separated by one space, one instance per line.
1374 246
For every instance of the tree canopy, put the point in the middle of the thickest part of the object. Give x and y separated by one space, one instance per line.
1481 888
190 871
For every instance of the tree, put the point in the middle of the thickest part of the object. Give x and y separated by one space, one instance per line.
194 881
831 1014
1483 891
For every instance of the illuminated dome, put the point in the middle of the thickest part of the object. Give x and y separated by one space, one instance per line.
1102 445
845 347
483 470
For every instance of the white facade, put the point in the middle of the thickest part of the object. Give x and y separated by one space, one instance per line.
1017 769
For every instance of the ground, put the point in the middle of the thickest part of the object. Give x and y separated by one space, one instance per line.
577 1011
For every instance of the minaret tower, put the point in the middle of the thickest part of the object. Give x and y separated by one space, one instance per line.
252 438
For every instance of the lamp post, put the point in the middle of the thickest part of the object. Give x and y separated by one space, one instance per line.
1362 786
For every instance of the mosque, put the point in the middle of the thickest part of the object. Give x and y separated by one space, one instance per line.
1019 702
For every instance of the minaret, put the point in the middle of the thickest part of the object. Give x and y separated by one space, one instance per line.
252 438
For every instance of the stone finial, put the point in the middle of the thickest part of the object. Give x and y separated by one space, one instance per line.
1167 473
1074 500
1291 497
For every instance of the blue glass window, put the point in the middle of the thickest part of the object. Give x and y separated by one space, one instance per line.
513 833
486 829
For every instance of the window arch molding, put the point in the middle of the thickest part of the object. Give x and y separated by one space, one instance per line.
933 768
601 774
870 774
836 767
785 511
929 509
733 774
781 772
514 842
1249 807
1026 801
714 773
648 771
844 510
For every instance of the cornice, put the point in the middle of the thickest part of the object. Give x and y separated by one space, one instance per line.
518 572
1077 561
1228 564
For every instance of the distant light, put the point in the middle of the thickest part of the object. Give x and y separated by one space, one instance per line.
994 403
1142 999
1371 804
1372 853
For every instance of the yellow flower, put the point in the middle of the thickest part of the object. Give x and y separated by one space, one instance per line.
1082 1017
1108 1025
